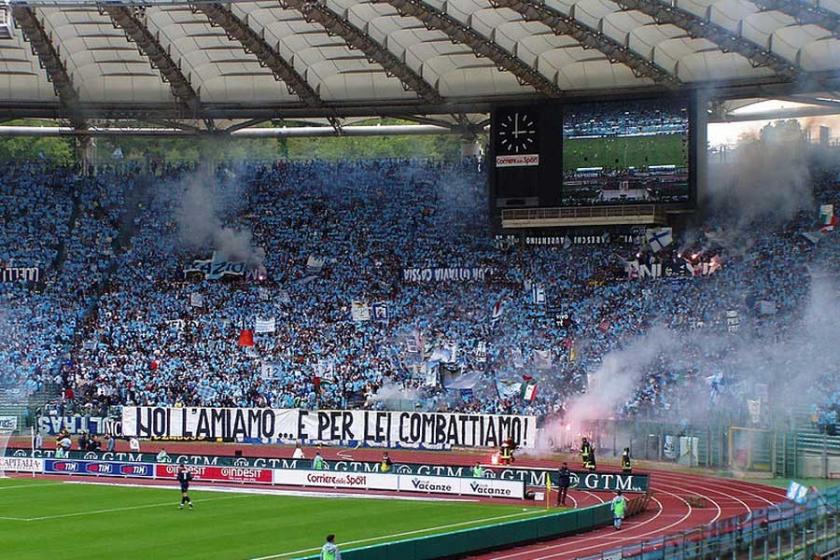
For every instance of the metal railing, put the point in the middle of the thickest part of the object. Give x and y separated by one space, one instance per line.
786 531
629 210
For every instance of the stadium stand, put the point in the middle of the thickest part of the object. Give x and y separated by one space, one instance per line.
114 319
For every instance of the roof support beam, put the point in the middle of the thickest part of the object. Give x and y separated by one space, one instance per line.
355 38
281 132
480 45
804 13
252 42
129 20
34 32
726 40
590 38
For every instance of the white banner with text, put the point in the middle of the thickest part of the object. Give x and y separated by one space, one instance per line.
380 428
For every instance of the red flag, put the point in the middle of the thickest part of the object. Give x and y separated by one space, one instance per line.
526 377
246 337
604 326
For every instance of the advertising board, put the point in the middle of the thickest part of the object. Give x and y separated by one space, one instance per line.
98 468
250 475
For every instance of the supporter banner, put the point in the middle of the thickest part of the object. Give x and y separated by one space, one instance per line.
625 237
20 274
218 474
95 425
21 464
216 267
388 428
531 477
99 468
675 269
327 479
457 274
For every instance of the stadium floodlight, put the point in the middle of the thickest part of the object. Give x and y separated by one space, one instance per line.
6 24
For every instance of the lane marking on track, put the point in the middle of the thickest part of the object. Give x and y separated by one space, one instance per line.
114 510
722 485
625 539
404 534
527 553
613 541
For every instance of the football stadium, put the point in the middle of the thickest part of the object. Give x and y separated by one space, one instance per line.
419 279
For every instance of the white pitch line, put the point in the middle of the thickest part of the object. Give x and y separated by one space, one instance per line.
129 508
30 485
397 535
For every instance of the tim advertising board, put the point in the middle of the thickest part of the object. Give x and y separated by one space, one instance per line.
22 464
327 479
218 474
98 468
486 487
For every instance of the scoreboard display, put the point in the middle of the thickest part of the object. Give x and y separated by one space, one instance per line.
637 151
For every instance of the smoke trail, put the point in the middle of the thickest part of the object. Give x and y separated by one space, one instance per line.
200 223
795 365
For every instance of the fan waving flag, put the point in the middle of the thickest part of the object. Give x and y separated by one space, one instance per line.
246 338
497 312
659 238
266 325
529 391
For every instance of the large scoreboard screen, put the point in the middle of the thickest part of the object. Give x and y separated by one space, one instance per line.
638 151
628 152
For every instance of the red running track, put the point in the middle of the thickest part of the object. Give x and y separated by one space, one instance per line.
669 511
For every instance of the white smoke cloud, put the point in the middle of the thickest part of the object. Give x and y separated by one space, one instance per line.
795 365
200 223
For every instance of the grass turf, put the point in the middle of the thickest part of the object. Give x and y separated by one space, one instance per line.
45 519
623 152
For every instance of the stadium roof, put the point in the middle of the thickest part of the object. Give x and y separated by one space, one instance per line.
168 61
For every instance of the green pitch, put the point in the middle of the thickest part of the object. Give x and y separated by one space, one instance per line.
638 151
52 519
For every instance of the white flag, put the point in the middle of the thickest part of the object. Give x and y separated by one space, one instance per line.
315 263
265 325
359 311
197 300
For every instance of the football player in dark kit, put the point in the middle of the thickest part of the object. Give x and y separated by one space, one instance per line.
184 479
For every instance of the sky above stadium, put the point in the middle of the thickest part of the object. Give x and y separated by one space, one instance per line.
727 134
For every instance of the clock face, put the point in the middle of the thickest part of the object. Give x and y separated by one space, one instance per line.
516 132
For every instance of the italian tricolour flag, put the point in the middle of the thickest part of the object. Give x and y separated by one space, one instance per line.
529 391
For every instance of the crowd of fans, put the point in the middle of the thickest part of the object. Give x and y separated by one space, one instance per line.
115 320
626 119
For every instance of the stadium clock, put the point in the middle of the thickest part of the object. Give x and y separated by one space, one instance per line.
518 132
516 138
